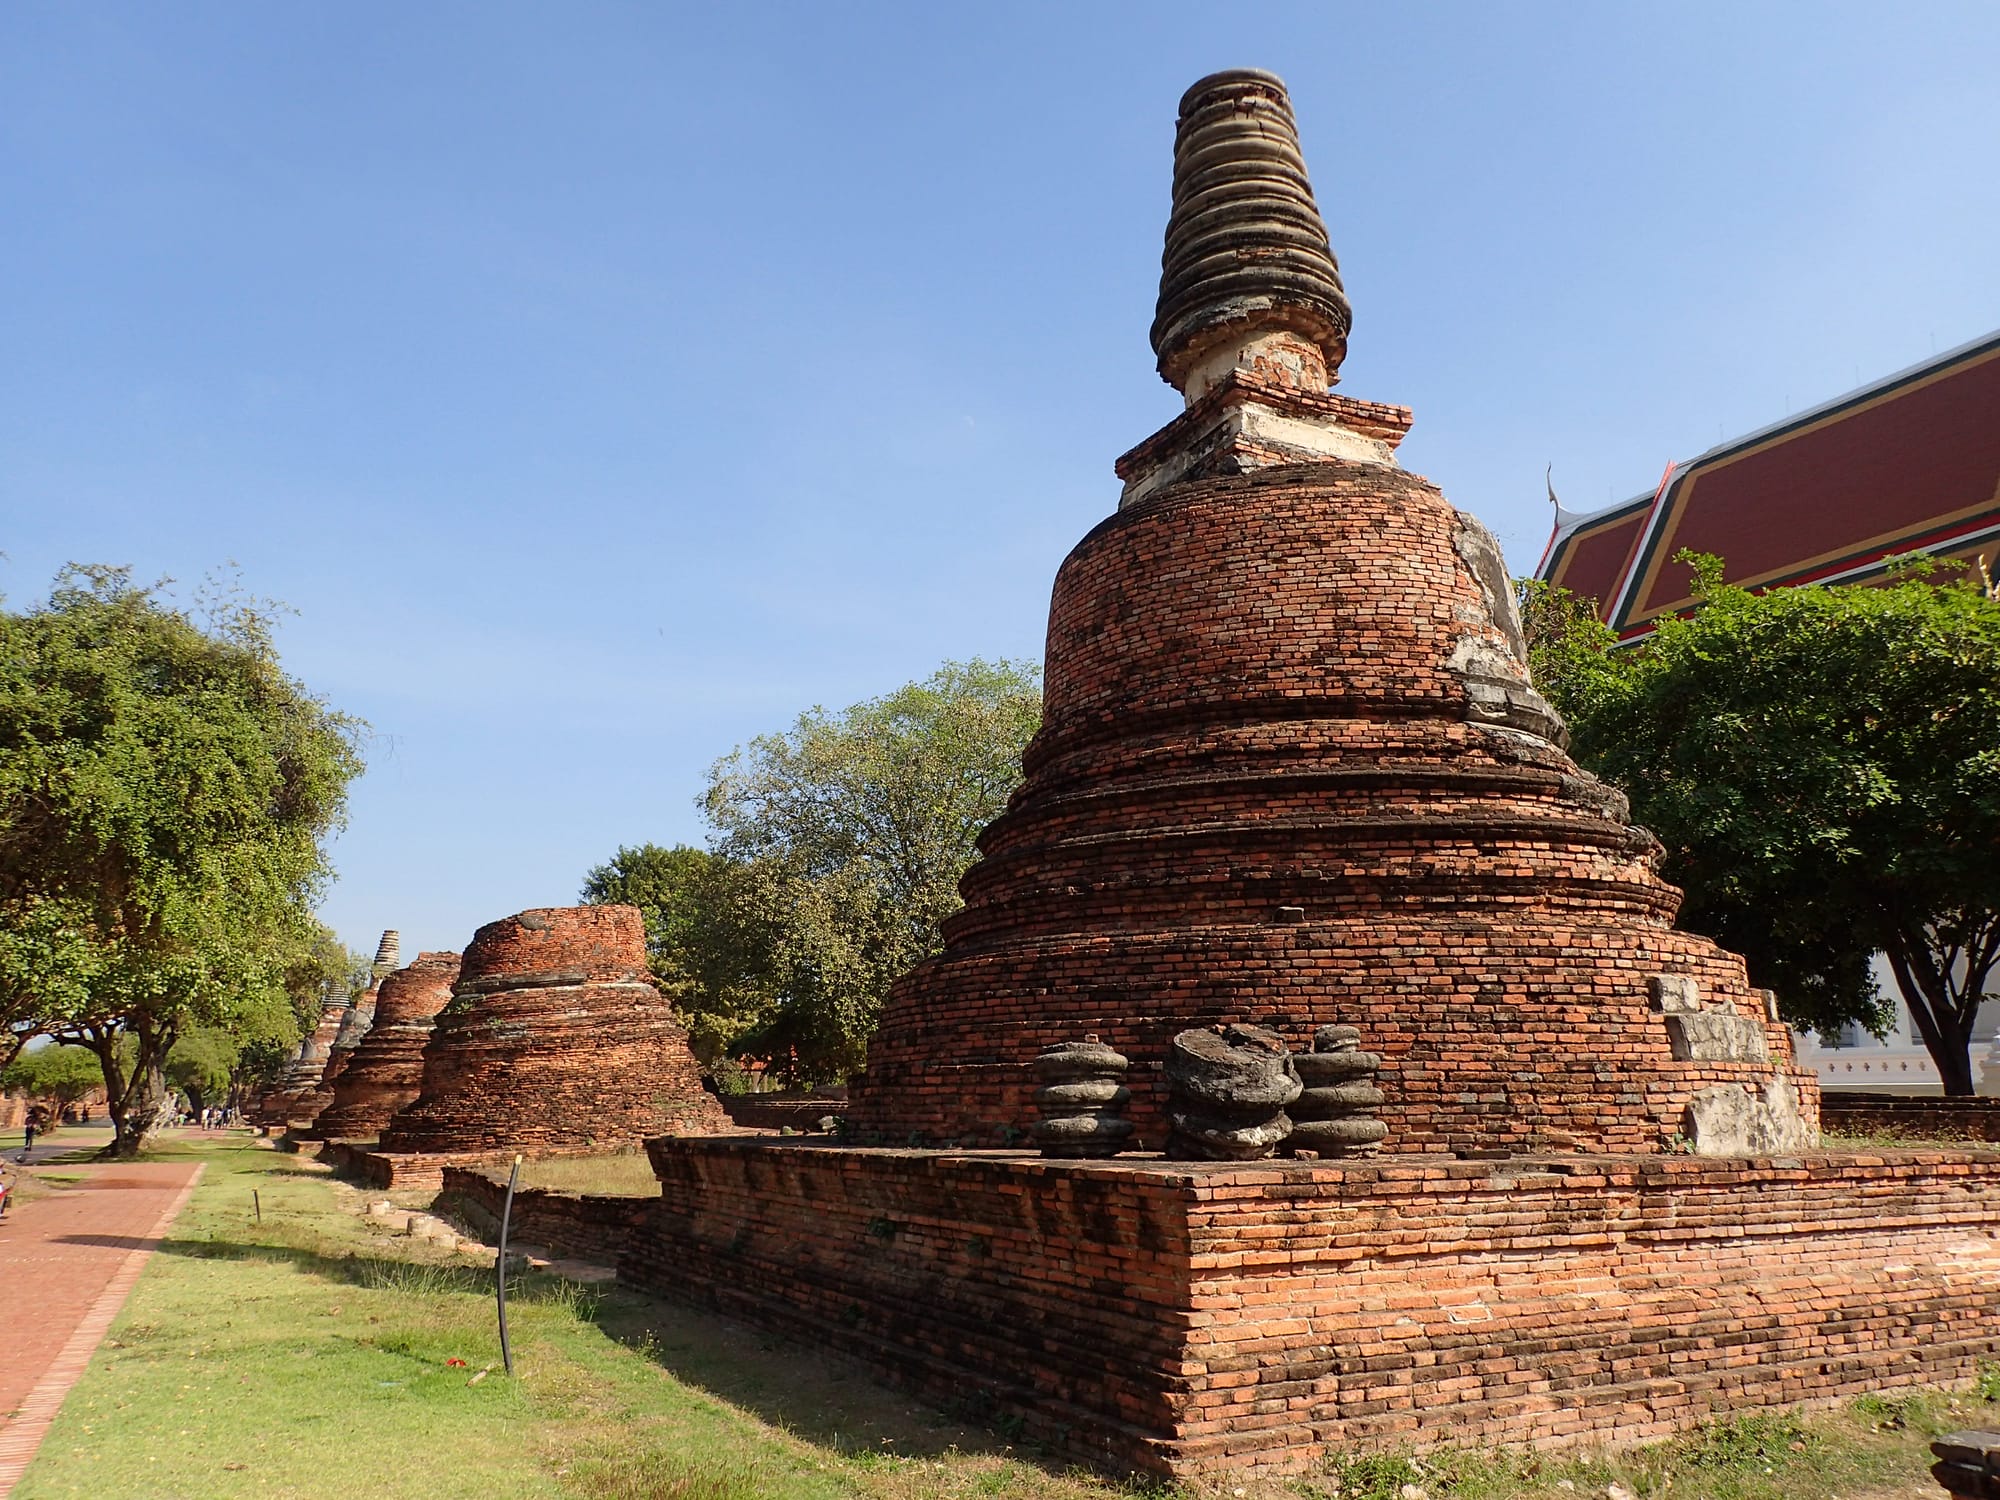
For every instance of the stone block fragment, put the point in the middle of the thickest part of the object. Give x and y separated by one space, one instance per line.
1674 994
1081 1090
1227 1092
1968 1464
1334 1114
1717 1036
1734 1119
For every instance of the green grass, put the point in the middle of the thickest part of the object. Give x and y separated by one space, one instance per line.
312 1356
629 1175
1891 1140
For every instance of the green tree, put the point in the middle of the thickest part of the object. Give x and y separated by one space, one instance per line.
202 1062
709 935
850 832
60 1075
1823 766
165 796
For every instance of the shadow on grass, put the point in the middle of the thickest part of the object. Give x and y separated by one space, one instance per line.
824 1398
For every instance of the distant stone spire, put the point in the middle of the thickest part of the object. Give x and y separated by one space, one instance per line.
1248 278
388 955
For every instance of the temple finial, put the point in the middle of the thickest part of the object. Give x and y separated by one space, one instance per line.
1248 280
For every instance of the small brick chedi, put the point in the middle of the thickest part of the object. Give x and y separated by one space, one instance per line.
354 1024
1292 770
302 1073
556 1039
387 1069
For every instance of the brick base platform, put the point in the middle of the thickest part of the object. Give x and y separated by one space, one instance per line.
1176 1318
399 1171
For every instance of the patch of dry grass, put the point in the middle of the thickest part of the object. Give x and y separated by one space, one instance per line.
628 1175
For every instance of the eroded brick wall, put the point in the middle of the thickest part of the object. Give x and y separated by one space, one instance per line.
387 1069
583 1226
1917 1118
1177 1318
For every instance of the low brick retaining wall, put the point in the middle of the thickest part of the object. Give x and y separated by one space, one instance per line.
780 1111
1918 1118
1177 1318
579 1226
397 1171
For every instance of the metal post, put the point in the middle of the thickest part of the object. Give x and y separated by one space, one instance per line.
500 1265
258 1204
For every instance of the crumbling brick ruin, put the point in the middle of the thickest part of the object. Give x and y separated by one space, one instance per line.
1292 770
387 1069
557 1039
276 1108
354 1023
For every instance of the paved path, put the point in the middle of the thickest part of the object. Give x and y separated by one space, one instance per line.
66 1263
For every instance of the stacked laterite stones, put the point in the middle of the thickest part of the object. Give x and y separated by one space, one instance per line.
557 1040
1292 771
387 1070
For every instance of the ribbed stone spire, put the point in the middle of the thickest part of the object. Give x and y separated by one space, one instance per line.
388 954
1248 277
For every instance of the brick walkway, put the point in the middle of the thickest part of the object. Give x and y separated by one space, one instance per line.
66 1264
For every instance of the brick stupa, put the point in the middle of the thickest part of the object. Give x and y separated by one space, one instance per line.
302 1073
556 1040
354 1025
1293 771
387 1069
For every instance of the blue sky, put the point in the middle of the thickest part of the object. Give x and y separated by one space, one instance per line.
604 384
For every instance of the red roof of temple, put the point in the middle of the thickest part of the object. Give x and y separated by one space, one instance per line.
1909 463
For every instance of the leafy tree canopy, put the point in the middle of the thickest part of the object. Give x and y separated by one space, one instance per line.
60 1074
837 849
165 795
1823 766
708 932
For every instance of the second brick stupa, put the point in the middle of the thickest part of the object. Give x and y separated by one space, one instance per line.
557 1039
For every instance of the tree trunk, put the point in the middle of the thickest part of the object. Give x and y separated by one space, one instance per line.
138 1099
1943 1017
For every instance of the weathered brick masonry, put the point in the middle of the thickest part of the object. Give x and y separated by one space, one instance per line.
1180 1317
1919 1118
355 1022
585 1226
1293 771
556 1040
387 1068
302 1073
1251 706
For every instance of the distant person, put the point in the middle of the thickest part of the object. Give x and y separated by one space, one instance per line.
28 1139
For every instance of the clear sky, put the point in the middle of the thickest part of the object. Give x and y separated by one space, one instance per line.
604 384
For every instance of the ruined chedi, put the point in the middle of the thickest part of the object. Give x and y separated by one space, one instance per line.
556 1039
354 1025
303 1072
387 1069
1293 772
